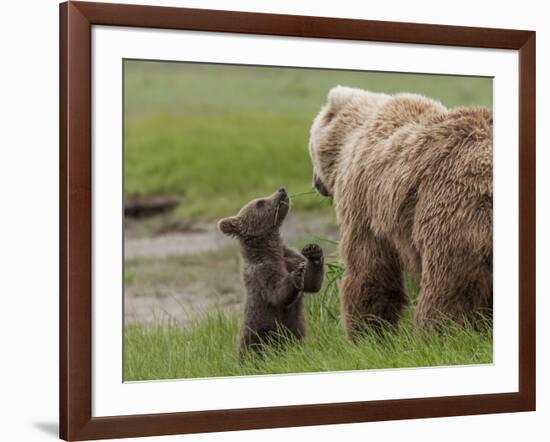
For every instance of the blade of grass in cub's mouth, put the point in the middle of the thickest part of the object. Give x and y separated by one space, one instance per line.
277 211
302 193
276 214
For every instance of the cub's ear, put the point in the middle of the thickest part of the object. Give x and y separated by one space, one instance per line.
339 96
230 226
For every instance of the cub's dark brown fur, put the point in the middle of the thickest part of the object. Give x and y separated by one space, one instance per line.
275 276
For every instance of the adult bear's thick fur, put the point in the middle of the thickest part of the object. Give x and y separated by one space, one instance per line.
413 190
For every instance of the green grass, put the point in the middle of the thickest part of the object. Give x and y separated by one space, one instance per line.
219 136
208 347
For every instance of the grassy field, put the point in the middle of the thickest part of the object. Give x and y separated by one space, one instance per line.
219 136
208 347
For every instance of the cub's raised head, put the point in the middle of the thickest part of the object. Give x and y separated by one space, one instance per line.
346 109
259 217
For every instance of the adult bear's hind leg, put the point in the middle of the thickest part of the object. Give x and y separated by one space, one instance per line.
454 289
372 289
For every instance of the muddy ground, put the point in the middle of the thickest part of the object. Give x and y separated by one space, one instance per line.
179 272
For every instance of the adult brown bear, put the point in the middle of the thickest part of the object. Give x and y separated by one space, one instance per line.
413 191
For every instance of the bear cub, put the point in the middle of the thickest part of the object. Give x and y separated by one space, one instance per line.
275 276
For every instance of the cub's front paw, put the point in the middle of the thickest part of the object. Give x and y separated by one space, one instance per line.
298 276
312 251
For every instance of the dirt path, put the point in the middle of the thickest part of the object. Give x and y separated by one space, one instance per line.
182 276
176 244
206 238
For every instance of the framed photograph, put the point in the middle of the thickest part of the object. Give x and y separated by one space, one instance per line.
275 220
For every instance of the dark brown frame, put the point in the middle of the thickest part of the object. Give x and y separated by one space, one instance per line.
76 421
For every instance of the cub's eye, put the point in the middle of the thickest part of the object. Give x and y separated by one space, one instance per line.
260 204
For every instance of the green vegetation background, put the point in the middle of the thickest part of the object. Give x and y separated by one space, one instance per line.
220 135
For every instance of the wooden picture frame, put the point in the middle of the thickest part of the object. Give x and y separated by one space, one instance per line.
76 21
